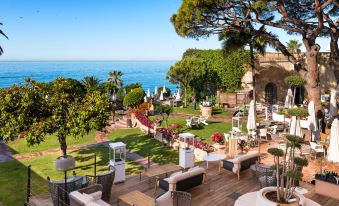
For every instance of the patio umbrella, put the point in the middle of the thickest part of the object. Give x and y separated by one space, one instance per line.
155 91
289 99
161 96
148 93
312 120
251 117
333 104
178 95
333 150
295 128
164 89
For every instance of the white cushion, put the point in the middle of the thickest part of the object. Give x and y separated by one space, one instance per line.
176 173
83 198
165 199
196 171
96 195
102 203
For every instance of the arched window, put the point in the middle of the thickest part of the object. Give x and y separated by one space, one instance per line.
270 93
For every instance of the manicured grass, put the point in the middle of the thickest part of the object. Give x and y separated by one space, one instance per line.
13 174
51 142
217 112
143 145
205 131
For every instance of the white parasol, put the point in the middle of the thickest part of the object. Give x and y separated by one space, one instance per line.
155 91
177 97
148 93
161 96
333 104
289 99
333 150
312 120
164 89
295 128
251 117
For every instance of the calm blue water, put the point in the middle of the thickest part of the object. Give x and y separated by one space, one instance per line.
149 73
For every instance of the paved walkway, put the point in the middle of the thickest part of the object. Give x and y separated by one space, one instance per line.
5 153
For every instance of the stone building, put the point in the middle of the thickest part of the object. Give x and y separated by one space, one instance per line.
270 74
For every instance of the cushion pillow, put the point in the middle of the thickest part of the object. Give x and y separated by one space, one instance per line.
96 195
81 197
165 199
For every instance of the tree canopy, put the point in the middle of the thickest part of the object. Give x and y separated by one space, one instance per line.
62 107
307 18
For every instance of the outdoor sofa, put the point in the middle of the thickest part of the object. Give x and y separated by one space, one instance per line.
241 162
182 181
87 196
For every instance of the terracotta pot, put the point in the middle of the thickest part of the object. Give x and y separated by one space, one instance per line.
263 201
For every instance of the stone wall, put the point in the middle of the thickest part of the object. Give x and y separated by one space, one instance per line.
274 67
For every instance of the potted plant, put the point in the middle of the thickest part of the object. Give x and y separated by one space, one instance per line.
288 170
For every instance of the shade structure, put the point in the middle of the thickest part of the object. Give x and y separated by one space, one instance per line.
161 96
251 117
155 90
289 99
145 99
164 89
312 120
178 95
333 150
333 104
148 93
295 128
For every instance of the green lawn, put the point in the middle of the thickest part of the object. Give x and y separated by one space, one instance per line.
51 142
217 112
143 145
13 174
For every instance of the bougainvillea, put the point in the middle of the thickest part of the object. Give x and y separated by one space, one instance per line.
144 120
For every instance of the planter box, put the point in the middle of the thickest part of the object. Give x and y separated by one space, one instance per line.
206 111
327 189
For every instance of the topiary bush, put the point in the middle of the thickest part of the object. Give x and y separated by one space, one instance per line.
168 91
295 81
134 97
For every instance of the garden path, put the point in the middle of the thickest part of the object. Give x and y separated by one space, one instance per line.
5 153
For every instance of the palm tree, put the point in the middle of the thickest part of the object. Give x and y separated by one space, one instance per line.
91 83
3 34
293 46
115 80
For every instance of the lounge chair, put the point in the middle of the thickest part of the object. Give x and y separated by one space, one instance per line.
174 198
87 196
106 180
315 148
192 122
203 120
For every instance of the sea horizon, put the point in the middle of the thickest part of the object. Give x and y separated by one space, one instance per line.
149 73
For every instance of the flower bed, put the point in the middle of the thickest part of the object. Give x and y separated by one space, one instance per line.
144 120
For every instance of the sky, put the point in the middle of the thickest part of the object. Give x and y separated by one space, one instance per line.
97 30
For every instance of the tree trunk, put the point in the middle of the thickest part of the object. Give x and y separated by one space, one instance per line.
334 57
312 76
63 144
185 100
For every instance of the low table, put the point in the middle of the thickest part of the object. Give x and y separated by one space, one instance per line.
214 158
136 198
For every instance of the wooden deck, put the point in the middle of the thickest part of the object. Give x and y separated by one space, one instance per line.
225 188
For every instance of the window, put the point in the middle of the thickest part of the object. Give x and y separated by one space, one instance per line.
270 93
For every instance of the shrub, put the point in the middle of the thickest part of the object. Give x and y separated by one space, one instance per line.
130 87
298 112
168 91
295 81
217 137
134 98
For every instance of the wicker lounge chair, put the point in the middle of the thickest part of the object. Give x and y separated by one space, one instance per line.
105 179
59 194
177 198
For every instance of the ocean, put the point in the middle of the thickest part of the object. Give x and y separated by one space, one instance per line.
148 73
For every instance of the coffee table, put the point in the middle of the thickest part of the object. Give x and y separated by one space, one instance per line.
214 158
136 198
155 171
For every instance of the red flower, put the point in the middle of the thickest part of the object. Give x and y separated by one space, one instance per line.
217 137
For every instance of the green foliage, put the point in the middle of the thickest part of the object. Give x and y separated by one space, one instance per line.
129 87
114 81
165 111
302 162
134 97
298 112
293 46
168 91
295 81
276 152
91 84
294 141
294 174
62 107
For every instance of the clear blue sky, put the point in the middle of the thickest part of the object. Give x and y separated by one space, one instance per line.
96 30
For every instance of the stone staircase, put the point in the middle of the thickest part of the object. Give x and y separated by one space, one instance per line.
120 123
